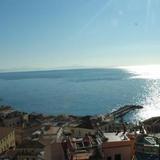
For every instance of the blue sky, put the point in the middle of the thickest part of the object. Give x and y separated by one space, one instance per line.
42 34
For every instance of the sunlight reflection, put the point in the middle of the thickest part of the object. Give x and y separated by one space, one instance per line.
151 94
151 100
144 72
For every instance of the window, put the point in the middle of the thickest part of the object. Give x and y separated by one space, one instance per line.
117 157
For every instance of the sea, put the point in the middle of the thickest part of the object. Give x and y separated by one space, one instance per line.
82 92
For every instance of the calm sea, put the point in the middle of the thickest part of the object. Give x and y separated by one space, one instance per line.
80 91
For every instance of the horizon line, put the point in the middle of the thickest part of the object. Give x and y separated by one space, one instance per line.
27 69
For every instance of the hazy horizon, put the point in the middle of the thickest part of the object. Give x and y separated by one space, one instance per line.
151 68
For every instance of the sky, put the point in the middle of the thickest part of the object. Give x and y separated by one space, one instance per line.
46 34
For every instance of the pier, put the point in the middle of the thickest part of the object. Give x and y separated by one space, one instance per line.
124 110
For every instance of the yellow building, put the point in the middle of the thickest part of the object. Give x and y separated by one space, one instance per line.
7 139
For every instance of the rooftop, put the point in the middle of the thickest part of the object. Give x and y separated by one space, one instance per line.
30 144
114 137
6 110
147 140
81 144
152 120
51 130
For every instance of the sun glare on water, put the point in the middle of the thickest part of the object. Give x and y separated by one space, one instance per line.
144 72
151 97
151 100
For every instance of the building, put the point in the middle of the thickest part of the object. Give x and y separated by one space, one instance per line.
22 133
11 118
116 146
82 144
152 125
51 138
5 111
30 150
110 126
146 147
12 121
83 148
78 132
51 132
9 155
7 139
